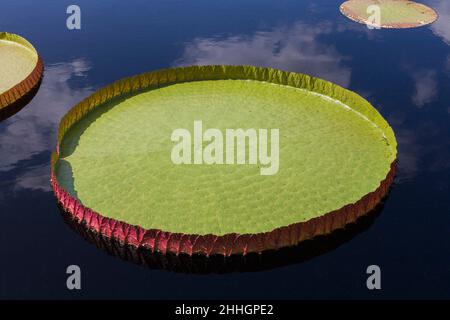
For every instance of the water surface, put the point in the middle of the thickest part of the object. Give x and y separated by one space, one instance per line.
405 74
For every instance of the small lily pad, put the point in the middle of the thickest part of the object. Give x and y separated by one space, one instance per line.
396 14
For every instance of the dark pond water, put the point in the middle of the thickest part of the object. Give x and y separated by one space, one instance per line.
404 73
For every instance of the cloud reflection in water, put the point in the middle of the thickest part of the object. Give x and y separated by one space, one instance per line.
294 48
32 132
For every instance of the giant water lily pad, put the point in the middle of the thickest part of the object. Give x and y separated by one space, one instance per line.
113 169
20 70
393 13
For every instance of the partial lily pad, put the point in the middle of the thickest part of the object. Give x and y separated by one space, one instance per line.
21 70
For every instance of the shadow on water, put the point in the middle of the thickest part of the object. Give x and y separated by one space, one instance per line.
219 264
14 108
